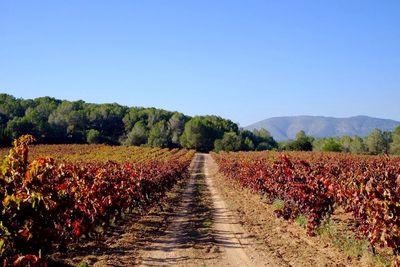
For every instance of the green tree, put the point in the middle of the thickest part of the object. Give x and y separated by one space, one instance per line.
263 140
388 138
198 134
357 145
332 145
230 142
156 115
395 145
345 142
38 115
107 119
133 116
264 146
375 142
20 126
302 143
301 135
248 139
177 125
160 135
201 132
247 144
10 107
318 144
137 136
68 122
55 121
93 137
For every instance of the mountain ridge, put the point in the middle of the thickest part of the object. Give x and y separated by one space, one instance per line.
286 127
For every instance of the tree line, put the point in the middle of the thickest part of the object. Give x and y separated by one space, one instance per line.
377 142
54 121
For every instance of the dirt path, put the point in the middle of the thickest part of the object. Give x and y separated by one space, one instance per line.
208 220
238 247
188 239
202 232
277 242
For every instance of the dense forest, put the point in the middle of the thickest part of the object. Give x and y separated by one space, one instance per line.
54 121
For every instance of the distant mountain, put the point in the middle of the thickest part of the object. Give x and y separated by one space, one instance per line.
284 128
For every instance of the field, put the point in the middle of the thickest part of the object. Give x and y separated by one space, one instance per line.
99 153
51 202
311 186
242 208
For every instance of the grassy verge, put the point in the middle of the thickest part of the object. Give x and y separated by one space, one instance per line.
351 245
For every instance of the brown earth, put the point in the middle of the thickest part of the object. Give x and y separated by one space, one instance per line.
279 239
120 243
209 221
222 241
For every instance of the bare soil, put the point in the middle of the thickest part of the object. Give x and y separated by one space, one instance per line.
284 242
189 238
120 244
203 231
208 221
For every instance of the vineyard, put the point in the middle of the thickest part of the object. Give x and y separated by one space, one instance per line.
50 202
315 184
75 153
53 196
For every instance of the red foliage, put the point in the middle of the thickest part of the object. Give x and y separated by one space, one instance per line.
314 184
45 202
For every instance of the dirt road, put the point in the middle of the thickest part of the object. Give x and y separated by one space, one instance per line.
203 231
209 220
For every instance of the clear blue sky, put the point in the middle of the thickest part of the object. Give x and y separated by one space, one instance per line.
244 60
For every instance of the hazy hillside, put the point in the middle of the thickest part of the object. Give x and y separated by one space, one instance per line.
283 128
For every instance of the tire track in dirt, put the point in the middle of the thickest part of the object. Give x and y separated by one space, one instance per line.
238 246
202 231
277 242
206 220
188 239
